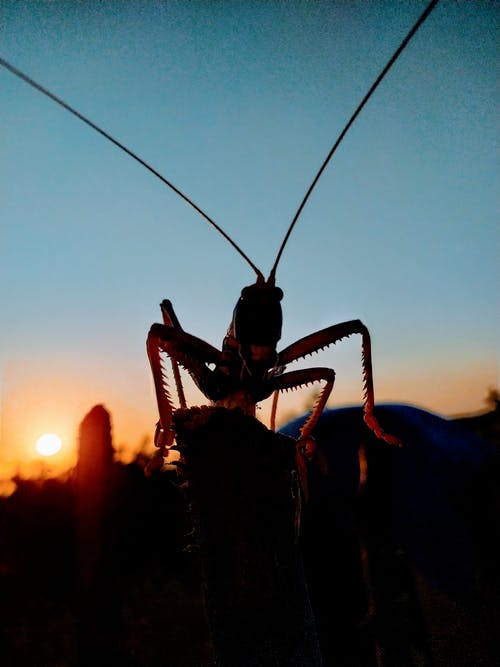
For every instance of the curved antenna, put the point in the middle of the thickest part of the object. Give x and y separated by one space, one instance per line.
365 99
62 103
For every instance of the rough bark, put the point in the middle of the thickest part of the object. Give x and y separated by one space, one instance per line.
242 480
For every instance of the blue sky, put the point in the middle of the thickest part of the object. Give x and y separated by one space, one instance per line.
238 104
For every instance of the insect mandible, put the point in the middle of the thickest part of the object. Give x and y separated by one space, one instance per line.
248 368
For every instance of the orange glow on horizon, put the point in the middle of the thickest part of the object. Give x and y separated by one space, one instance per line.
32 406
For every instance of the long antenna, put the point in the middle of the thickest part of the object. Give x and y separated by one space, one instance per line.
365 99
58 100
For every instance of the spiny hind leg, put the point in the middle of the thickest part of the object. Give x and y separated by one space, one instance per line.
329 336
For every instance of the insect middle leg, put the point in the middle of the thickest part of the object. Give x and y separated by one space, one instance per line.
306 445
300 378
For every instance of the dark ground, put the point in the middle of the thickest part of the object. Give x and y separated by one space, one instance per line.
432 596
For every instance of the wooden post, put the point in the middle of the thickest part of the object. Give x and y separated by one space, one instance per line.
241 486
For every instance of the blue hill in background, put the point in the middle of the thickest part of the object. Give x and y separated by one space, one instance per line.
430 489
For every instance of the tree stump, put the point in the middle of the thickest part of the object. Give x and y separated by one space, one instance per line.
242 487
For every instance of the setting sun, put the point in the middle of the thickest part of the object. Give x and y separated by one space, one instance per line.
48 444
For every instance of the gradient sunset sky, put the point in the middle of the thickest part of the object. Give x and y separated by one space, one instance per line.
238 103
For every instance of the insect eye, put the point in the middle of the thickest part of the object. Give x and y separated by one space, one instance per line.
246 291
251 292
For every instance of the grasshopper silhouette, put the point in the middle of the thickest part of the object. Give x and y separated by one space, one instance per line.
249 368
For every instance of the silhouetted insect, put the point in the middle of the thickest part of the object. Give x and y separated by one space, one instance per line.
249 368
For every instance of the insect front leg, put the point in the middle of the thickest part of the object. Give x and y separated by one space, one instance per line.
170 320
329 336
185 350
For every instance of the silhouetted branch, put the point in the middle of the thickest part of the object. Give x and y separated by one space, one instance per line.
242 489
